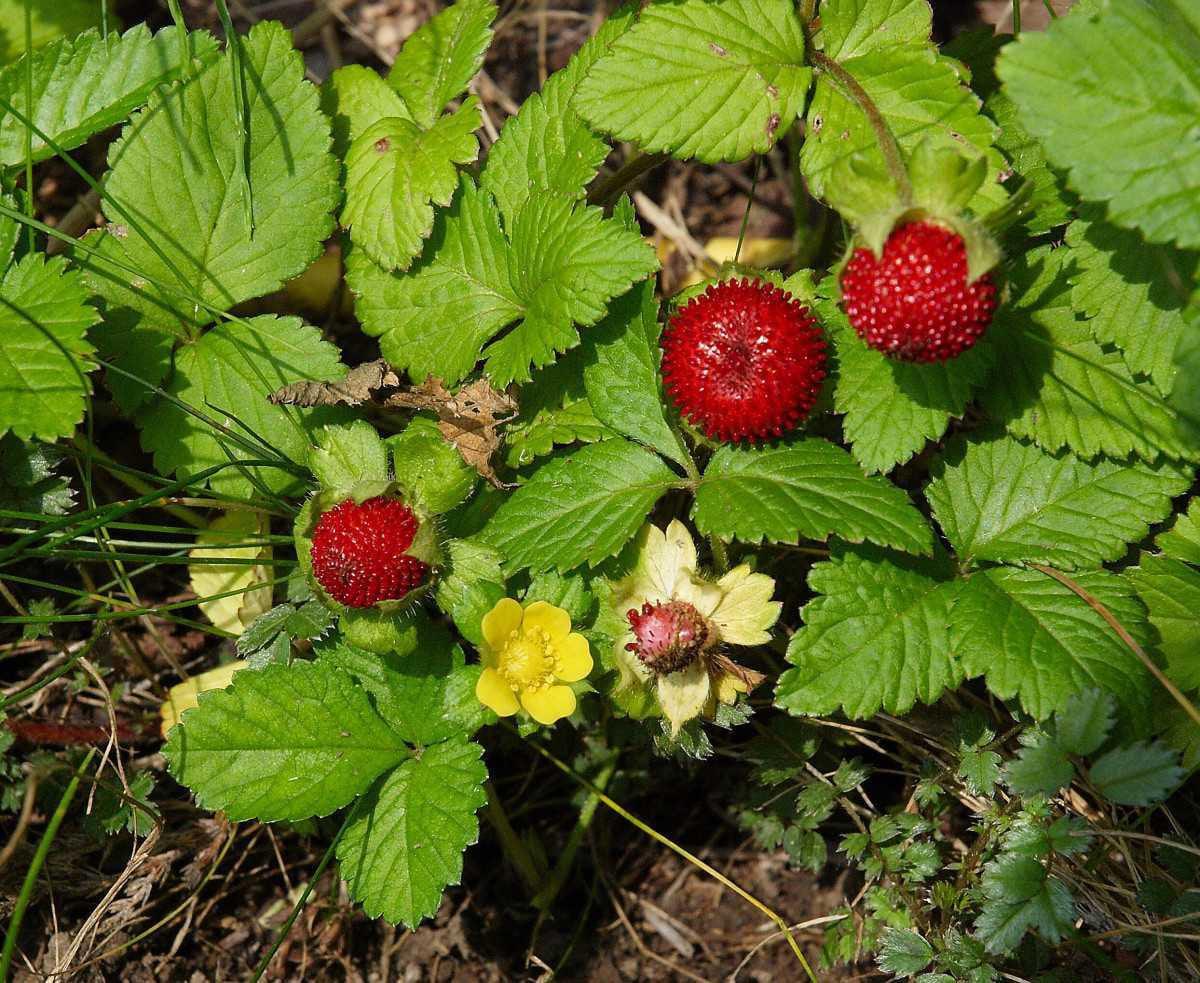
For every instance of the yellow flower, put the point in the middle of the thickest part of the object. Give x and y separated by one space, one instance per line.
528 653
676 622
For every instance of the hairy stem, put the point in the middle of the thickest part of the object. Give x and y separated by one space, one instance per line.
883 133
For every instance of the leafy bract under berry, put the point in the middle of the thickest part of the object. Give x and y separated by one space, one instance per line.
743 361
916 302
359 552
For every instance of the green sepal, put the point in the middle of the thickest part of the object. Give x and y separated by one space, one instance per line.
349 457
380 631
429 469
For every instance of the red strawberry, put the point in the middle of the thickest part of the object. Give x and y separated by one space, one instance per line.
743 361
668 636
358 552
915 303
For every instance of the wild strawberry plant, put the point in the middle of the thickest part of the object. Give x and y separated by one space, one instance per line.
942 459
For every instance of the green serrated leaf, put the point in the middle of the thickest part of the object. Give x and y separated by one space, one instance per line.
547 148
1054 385
430 468
405 844
175 198
282 742
876 636
1020 897
348 455
1084 723
1009 502
920 97
44 318
355 98
1182 540
621 372
568 262
893 408
227 375
568 424
979 769
579 509
439 60
1126 288
1171 592
902 952
1139 775
48 22
805 487
85 84
571 592
471 584
28 478
854 27
423 688
713 81
1041 767
396 172
1124 127
1034 638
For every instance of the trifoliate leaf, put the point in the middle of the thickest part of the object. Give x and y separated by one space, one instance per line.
854 27
176 199
1084 723
1126 288
355 98
85 84
471 584
621 372
1139 775
876 636
568 262
282 742
439 60
347 455
579 509
28 478
396 172
1020 897
226 376
1124 127
1041 767
1054 385
893 408
805 487
429 468
713 81
405 843
423 688
44 318
1034 638
567 424
1171 592
1009 502
903 953
921 98
547 148
1182 540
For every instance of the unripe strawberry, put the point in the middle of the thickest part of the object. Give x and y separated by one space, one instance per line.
359 552
915 302
667 636
743 361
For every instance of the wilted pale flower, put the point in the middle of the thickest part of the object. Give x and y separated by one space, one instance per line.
527 654
677 622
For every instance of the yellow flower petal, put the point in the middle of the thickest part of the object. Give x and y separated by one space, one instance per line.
494 693
554 620
684 694
746 611
700 594
549 705
501 621
574 658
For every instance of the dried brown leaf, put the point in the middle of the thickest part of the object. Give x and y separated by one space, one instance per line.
360 384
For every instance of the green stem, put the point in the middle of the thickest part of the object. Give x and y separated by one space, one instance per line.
670 844
1016 8
35 867
511 845
606 193
308 889
737 253
31 235
883 133
558 877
